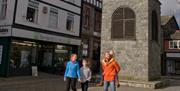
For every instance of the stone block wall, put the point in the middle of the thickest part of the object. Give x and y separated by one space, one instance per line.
132 55
154 46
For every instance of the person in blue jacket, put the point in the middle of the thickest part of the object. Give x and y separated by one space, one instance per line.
72 73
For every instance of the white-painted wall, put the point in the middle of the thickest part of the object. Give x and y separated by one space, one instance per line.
9 13
65 5
43 19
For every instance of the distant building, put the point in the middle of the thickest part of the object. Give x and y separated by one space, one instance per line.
91 31
171 62
38 32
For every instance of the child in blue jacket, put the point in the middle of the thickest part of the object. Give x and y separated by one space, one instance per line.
72 73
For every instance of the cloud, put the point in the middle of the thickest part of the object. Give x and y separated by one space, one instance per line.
171 7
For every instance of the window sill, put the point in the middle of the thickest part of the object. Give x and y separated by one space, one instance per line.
31 22
124 39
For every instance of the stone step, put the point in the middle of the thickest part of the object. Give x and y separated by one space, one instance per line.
141 84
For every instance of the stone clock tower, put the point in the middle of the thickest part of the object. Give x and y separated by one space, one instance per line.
132 29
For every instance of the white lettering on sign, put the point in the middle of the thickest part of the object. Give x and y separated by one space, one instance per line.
173 54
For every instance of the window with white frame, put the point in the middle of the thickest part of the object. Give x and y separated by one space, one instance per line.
91 1
53 18
100 5
87 0
171 44
3 8
174 44
97 4
32 11
70 22
94 2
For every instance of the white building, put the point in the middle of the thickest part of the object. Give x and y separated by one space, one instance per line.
38 32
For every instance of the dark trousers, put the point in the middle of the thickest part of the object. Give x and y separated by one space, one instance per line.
71 82
84 86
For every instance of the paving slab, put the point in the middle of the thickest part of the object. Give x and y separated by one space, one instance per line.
55 83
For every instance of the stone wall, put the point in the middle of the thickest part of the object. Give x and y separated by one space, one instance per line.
154 47
133 55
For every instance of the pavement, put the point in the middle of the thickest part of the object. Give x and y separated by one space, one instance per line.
174 86
46 82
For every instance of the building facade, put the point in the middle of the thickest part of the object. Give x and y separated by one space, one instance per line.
38 32
132 29
171 62
91 31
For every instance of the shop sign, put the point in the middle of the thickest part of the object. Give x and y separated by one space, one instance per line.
1 52
3 31
45 37
173 54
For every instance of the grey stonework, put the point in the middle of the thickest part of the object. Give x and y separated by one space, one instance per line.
139 58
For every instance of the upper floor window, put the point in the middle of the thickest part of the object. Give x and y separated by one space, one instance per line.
174 44
3 8
53 18
97 3
155 32
86 17
32 11
98 21
70 22
123 24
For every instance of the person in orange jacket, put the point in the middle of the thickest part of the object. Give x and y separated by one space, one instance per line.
112 53
110 69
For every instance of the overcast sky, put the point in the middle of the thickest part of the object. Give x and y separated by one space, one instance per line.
171 7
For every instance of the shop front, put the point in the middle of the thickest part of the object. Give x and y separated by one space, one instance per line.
48 52
48 57
172 63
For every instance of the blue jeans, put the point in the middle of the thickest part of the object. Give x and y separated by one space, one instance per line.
112 85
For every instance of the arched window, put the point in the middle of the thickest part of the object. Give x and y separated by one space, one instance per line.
123 24
155 32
